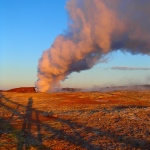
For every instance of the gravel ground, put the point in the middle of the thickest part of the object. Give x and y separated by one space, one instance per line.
76 121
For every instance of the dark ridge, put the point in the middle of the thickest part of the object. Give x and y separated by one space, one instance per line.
67 89
71 89
23 90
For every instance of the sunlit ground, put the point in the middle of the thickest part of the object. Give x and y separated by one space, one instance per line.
75 120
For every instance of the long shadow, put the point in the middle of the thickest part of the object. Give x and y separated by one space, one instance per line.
26 127
24 137
5 128
77 138
133 142
38 128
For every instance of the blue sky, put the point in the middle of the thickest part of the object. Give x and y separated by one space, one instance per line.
29 27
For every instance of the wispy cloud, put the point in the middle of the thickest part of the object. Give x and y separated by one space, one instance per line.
129 68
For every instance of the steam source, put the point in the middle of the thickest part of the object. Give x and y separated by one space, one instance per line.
96 28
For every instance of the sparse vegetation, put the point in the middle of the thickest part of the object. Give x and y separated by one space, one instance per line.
75 120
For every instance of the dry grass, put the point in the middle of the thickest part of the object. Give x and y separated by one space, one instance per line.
75 120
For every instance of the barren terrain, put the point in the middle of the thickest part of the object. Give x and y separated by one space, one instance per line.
75 120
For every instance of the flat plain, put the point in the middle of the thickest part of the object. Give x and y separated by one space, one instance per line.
75 120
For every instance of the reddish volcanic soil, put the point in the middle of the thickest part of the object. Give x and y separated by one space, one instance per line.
75 120
23 90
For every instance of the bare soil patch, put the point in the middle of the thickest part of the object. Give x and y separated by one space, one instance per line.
75 120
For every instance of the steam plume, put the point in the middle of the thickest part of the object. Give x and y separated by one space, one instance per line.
96 27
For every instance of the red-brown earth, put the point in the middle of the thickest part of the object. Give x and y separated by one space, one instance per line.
22 90
75 120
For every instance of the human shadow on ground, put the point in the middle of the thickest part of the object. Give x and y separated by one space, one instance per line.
76 138
24 137
26 129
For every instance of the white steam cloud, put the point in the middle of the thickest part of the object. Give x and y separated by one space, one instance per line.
96 27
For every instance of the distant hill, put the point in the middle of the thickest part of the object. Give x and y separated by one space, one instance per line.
71 89
22 90
102 89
